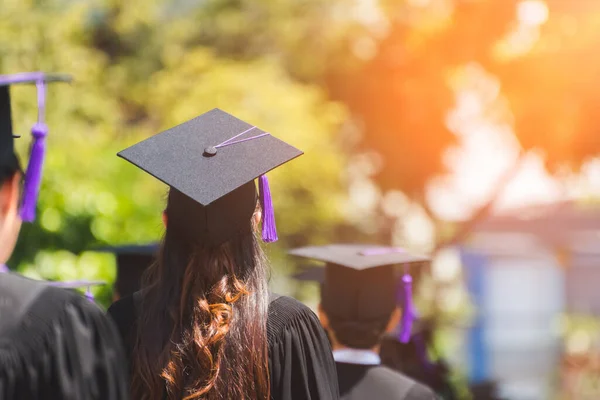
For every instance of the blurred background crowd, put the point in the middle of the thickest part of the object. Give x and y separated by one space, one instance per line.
467 129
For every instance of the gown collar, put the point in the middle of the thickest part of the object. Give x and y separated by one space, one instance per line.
356 356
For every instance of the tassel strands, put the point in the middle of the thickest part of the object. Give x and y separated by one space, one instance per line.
408 309
89 295
33 176
269 229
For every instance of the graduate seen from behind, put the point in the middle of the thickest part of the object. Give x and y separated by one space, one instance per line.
54 344
358 307
204 325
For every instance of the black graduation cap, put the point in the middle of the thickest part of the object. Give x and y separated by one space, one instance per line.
8 159
213 160
132 261
359 282
9 163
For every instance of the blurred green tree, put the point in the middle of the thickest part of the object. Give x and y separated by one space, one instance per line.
140 68
336 78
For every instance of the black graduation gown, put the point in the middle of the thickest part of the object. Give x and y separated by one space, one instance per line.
359 382
55 344
301 364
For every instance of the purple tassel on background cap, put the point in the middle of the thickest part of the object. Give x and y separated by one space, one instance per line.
33 176
3 269
89 295
269 229
408 309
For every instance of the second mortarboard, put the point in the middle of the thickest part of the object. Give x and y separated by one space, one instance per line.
132 261
213 160
359 282
39 131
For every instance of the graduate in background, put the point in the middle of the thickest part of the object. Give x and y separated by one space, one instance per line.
132 262
204 325
358 307
54 344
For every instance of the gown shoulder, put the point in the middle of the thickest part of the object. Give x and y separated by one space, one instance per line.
415 390
359 381
300 358
56 345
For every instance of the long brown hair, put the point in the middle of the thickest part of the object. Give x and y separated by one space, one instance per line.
202 323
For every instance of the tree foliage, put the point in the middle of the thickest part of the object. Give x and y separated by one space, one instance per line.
553 87
313 72
138 70
402 92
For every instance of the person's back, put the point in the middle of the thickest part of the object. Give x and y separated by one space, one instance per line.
359 382
300 361
204 324
55 344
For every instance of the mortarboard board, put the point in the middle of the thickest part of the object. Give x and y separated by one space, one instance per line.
39 131
213 160
132 261
360 281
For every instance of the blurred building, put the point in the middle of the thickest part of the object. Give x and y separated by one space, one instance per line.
523 270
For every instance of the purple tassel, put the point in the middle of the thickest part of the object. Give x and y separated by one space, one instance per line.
408 311
33 176
89 295
3 269
269 229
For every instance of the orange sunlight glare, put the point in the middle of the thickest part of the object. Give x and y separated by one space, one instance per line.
487 149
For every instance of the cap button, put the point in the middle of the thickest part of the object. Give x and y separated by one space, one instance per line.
210 151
